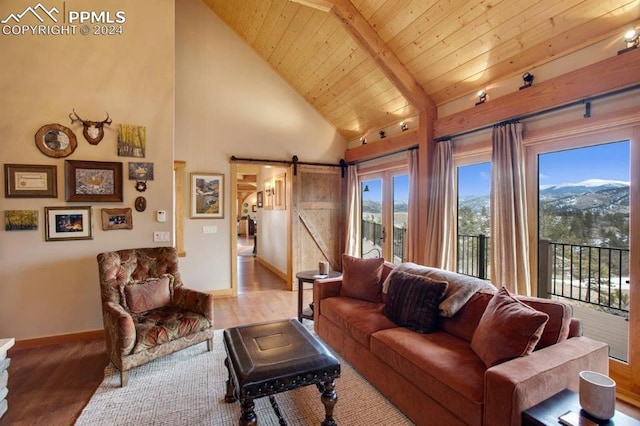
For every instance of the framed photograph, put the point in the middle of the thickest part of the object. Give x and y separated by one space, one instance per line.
140 171
116 219
207 196
20 220
30 181
67 223
260 199
93 181
56 140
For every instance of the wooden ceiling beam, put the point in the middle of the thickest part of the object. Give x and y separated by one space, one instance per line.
610 74
362 32
322 5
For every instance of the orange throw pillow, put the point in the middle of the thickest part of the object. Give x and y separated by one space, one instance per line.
508 329
361 278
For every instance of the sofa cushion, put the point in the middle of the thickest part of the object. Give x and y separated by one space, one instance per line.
508 329
460 289
361 278
412 301
151 293
466 320
557 329
357 318
441 365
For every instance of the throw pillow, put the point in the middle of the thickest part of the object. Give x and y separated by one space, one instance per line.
361 278
508 329
412 301
152 293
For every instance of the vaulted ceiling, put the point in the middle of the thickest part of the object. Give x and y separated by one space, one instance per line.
367 64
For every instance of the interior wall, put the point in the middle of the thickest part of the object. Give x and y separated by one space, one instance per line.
273 224
51 288
229 102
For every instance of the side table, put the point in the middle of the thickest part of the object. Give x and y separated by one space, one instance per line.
548 411
310 277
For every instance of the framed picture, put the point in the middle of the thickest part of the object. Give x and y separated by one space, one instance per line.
254 208
93 181
260 199
132 140
67 223
116 219
30 181
140 171
56 140
20 220
207 196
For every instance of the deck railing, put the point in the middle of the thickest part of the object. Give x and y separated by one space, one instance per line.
589 274
373 232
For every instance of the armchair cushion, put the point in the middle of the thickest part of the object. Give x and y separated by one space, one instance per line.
144 295
158 326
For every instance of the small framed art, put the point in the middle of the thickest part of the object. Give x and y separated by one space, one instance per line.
30 181
116 219
207 196
67 223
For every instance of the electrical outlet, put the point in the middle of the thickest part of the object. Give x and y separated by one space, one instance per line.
212 229
162 236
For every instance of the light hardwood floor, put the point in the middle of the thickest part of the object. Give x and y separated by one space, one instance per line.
50 384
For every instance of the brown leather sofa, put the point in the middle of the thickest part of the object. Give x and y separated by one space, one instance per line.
437 378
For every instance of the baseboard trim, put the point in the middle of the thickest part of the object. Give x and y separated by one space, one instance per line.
62 338
272 268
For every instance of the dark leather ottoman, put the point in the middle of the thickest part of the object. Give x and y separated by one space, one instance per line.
268 358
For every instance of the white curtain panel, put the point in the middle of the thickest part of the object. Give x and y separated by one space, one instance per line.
441 212
354 212
509 233
412 239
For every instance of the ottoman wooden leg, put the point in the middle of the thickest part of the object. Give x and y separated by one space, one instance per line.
329 398
248 417
231 394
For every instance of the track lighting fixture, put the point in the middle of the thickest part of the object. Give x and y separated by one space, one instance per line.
404 126
382 134
482 97
632 39
527 78
363 140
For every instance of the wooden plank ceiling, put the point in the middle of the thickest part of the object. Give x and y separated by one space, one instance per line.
368 64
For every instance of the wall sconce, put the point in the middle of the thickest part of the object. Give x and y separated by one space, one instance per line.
482 97
404 126
363 140
632 39
366 188
527 78
382 134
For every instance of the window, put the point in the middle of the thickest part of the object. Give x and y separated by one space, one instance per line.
583 228
385 200
474 188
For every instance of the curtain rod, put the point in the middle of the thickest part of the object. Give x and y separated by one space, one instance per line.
386 154
294 161
585 101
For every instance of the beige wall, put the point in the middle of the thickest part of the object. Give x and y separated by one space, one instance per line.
229 102
51 288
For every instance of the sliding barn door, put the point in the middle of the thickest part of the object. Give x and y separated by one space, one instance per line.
318 217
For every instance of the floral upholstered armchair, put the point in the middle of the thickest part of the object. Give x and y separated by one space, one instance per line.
147 311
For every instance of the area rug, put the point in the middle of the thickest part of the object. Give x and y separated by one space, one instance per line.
188 388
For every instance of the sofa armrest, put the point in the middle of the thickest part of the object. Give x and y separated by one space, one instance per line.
517 385
194 300
322 289
119 330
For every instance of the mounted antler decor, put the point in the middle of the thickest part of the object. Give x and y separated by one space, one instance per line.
93 131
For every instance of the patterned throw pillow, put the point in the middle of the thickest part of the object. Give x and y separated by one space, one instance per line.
145 295
412 301
508 329
361 278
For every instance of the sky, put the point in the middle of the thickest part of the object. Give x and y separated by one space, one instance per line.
608 161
